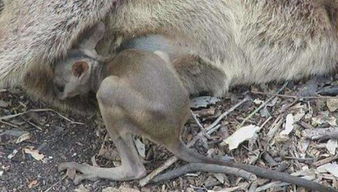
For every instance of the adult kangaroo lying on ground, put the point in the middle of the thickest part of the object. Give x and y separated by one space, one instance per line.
240 42
245 41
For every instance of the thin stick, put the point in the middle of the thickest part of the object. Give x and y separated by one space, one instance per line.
196 167
253 186
321 133
227 113
196 120
39 110
10 124
200 125
157 171
34 125
265 122
326 160
272 185
173 159
262 105
63 178
211 131
292 96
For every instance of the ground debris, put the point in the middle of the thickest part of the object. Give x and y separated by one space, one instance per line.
308 123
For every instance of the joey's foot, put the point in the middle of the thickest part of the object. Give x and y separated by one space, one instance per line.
86 171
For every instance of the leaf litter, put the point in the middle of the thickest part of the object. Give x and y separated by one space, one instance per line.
309 150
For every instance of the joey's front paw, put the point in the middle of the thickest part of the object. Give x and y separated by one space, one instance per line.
72 168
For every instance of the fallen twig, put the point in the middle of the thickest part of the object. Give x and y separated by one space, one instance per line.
51 187
272 185
196 167
265 122
10 124
253 187
300 159
38 110
288 106
157 171
34 125
227 113
204 132
274 128
325 161
196 120
262 105
321 133
292 96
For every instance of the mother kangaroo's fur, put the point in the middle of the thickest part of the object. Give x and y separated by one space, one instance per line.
245 41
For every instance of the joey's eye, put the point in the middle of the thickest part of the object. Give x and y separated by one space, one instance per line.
60 88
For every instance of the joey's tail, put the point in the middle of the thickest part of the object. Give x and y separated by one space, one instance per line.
182 152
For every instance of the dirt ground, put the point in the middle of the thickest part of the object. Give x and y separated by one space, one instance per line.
35 138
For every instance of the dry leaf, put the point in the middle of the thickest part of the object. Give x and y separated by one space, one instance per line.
299 115
324 117
4 104
331 146
258 101
303 146
121 189
241 135
203 101
210 181
81 188
288 128
34 153
332 104
23 137
33 184
330 167
220 177
10 156
288 125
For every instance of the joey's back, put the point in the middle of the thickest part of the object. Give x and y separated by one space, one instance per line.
150 75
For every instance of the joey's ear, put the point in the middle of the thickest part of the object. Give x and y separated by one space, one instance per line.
79 68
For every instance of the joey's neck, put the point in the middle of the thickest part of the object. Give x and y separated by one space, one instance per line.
97 76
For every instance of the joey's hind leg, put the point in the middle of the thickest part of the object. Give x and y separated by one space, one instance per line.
119 127
131 166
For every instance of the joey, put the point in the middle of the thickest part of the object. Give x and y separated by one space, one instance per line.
140 93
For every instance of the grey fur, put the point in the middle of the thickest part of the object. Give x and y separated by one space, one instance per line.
244 41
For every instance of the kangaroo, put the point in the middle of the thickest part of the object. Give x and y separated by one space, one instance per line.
140 93
244 41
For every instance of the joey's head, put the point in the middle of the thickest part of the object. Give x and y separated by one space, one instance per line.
72 77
